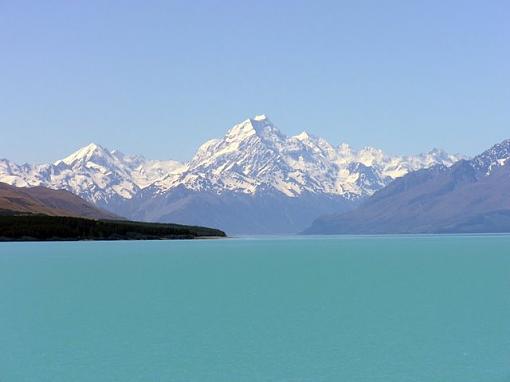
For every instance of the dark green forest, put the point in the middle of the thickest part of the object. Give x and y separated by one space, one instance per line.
43 227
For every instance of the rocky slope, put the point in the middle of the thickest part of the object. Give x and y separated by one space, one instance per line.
42 200
470 196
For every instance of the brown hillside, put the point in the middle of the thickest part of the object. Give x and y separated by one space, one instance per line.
42 200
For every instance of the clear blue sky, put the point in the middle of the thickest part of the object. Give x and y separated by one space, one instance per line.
160 77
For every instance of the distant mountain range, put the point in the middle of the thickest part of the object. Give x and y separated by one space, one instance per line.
470 196
253 180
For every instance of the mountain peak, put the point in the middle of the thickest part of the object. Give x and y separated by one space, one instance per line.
304 136
93 146
260 126
260 122
85 153
497 156
261 117
497 152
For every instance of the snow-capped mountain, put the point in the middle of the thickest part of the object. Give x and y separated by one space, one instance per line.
254 155
253 163
468 197
92 172
492 159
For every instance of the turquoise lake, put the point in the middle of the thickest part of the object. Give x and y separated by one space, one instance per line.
395 308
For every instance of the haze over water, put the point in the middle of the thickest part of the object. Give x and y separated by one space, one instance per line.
396 308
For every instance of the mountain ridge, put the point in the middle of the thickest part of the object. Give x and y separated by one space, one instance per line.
468 197
252 161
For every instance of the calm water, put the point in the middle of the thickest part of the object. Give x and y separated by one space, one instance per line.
284 309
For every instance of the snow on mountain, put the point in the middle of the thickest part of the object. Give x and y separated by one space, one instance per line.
254 155
252 158
493 158
471 196
92 172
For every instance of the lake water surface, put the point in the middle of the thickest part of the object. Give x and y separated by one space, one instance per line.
408 308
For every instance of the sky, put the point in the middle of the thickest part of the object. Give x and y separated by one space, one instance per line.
159 78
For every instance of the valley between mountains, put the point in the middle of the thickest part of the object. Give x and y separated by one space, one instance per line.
254 180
